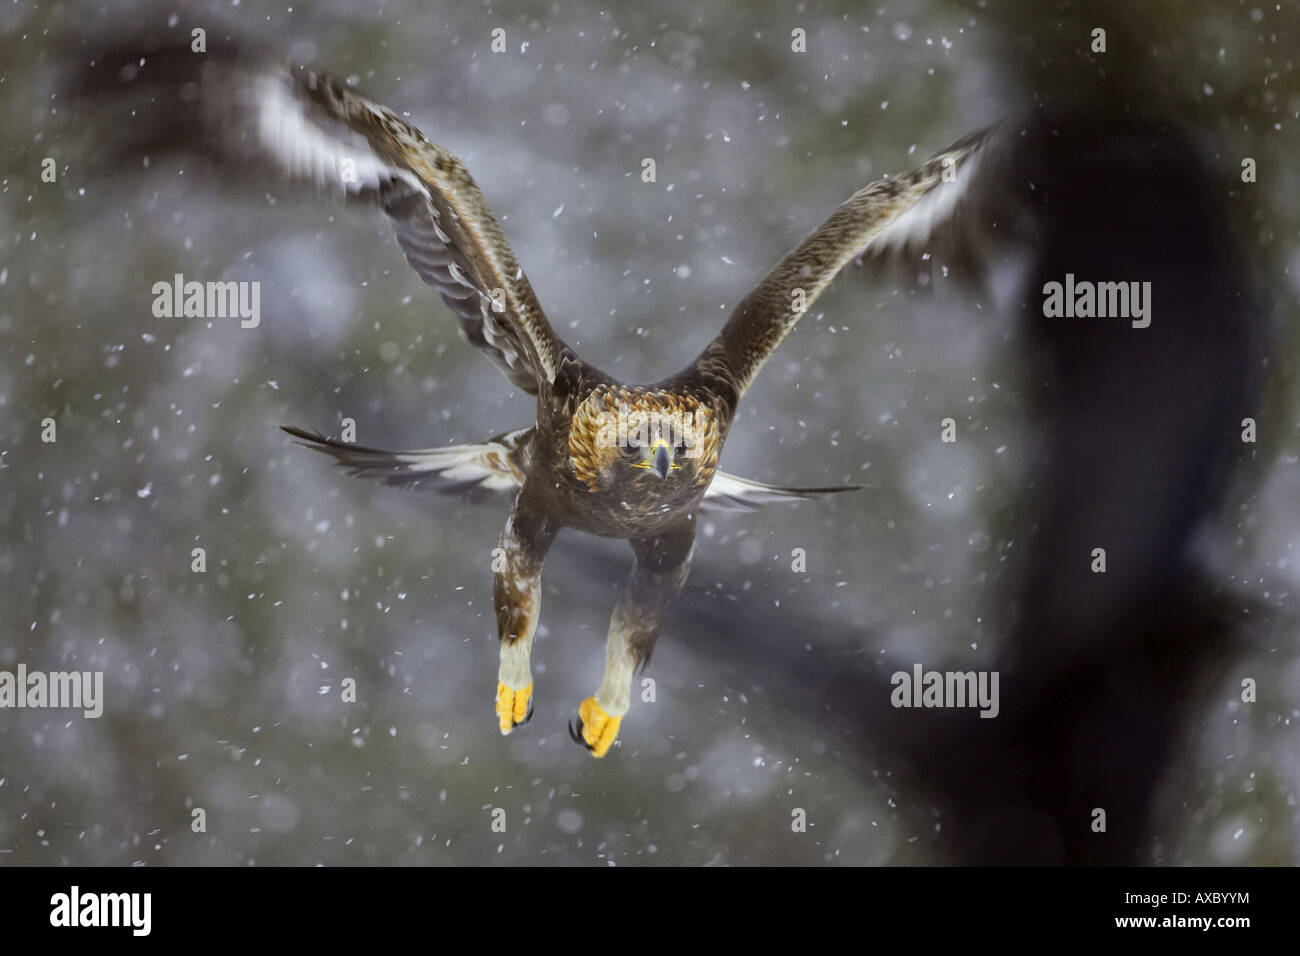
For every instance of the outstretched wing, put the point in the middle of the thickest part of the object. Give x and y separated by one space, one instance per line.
460 469
323 135
888 216
730 493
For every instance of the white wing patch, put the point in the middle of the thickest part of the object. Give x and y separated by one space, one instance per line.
916 227
731 493
336 159
457 469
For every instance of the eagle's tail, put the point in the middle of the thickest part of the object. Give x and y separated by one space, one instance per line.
469 470
730 493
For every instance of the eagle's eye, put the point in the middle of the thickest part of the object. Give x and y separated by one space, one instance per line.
631 451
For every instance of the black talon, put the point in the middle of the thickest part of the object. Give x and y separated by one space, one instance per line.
528 716
577 734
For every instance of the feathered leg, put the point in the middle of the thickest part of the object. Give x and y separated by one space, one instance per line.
517 597
662 564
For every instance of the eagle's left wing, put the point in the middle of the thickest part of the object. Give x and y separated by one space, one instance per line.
731 493
888 216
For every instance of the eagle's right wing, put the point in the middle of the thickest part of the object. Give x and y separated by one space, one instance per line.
457 469
323 135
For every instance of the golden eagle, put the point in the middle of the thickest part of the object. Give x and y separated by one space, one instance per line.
636 462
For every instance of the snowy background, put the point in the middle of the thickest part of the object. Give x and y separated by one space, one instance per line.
223 689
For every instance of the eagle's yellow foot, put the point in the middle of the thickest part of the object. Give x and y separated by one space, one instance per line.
596 730
514 707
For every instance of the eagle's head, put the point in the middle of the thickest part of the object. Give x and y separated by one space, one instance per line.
644 443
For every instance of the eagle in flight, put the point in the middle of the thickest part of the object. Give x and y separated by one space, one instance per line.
636 462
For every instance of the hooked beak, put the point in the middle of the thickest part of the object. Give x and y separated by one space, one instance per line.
661 461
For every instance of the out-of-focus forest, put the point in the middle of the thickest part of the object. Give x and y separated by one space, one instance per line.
224 689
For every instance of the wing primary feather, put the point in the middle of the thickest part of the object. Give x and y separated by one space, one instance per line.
874 217
729 492
457 469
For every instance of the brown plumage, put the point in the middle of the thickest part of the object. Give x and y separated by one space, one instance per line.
622 461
